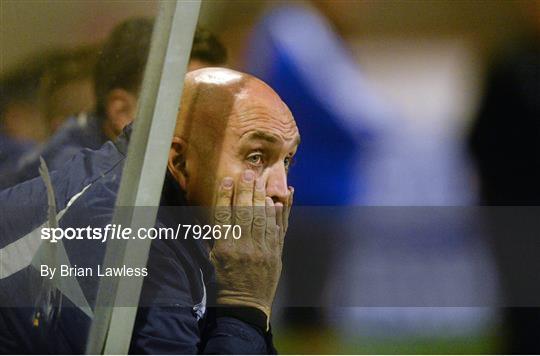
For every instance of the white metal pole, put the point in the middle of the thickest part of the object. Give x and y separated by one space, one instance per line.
144 172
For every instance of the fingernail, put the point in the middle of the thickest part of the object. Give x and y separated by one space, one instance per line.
227 182
259 184
291 188
249 176
279 205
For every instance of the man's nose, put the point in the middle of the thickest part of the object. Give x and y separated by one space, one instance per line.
276 185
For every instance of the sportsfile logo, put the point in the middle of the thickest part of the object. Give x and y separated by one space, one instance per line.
118 232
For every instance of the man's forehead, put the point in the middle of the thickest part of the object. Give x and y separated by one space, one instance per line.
259 121
258 108
270 137
257 93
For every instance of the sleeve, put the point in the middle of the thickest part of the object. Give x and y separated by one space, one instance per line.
230 335
167 323
174 330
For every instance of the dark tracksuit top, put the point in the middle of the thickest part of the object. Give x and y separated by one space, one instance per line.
77 133
11 151
172 318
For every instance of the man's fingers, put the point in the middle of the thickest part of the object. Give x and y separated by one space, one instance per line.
279 215
287 210
259 210
259 194
279 222
243 202
271 225
244 190
222 210
291 196
225 192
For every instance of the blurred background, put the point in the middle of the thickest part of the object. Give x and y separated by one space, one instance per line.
399 103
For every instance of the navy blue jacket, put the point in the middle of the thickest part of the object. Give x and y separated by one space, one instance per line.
83 131
172 317
11 151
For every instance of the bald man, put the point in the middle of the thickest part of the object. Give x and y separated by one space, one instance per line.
230 154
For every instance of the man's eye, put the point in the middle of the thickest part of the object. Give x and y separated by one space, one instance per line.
255 159
288 162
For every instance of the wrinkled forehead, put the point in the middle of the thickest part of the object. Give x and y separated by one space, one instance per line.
257 105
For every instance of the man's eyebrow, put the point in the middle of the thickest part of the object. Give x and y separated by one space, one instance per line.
261 135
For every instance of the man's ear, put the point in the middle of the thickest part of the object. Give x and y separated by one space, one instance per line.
120 109
177 161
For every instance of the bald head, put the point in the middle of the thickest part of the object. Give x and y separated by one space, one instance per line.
221 109
207 99
210 95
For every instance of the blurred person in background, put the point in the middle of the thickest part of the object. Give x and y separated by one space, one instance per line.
67 86
21 122
358 150
505 142
37 96
117 80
